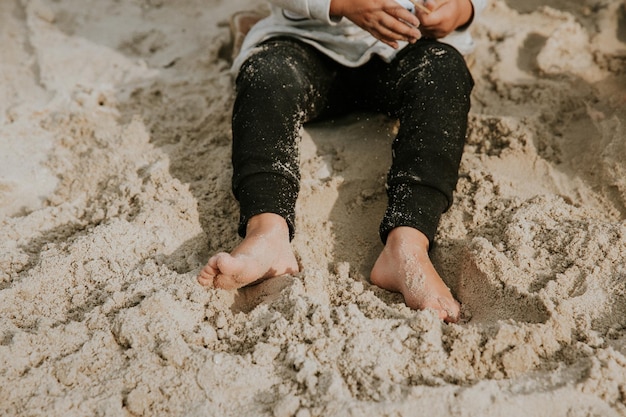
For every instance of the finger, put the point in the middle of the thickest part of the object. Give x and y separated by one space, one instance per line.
432 18
435 24
389 41
435 4
393 29
389 37
402 14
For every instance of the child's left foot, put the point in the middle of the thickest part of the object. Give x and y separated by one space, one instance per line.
405 267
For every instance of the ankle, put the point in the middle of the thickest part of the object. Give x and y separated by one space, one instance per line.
403 234
266 223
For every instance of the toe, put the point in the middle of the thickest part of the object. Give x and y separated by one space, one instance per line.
206 276
449 310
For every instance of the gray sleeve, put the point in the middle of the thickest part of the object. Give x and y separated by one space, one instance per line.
311 9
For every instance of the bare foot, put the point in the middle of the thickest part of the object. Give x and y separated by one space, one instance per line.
404 266
265 252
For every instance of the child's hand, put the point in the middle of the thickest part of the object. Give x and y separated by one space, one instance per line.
444 17
386 20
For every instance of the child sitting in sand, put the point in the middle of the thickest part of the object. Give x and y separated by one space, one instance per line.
311 59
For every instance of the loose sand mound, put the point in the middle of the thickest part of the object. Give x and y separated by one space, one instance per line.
115 188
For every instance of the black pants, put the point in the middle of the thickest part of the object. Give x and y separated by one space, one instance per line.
287 83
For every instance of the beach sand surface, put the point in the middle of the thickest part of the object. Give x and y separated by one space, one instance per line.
115 189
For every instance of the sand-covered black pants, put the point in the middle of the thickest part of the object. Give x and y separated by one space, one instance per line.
287 83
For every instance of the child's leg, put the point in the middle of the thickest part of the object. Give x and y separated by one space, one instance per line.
279 88
432 99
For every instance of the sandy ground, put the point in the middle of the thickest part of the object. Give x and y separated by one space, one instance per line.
114 190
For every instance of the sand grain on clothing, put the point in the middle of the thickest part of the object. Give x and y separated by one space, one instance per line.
115 189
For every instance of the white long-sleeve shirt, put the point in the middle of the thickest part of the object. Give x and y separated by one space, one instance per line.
340 39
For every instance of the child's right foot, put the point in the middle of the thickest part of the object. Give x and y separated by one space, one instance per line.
264 253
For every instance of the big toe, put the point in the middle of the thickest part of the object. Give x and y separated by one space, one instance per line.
449 310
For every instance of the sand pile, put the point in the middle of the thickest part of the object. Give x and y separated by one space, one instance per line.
115 188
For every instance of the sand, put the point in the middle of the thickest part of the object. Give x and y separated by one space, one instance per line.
115 188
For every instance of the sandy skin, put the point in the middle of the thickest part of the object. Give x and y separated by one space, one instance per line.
403 266
264 253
